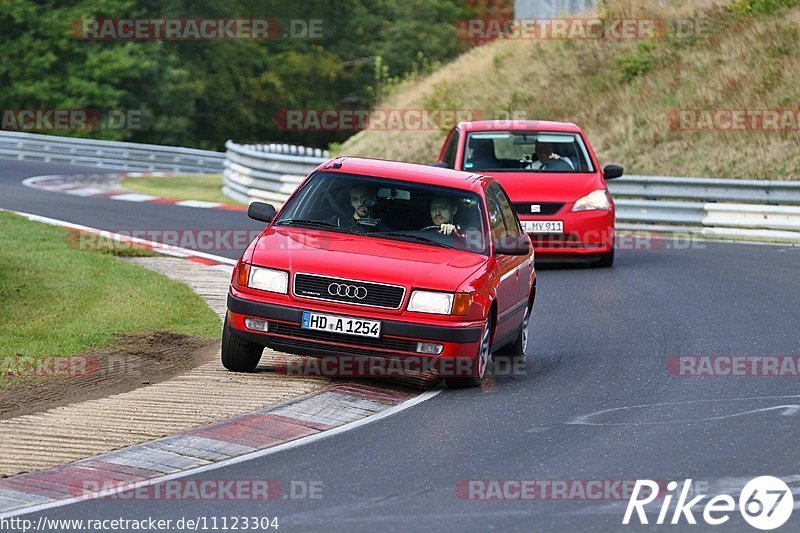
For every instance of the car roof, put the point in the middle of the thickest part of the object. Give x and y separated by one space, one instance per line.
516 125
413 172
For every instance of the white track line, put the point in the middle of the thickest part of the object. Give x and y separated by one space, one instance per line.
198 203
134 197
163 248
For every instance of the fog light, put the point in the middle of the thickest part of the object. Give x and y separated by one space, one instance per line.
429 348
256 324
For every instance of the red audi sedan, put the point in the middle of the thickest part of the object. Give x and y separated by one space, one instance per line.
389 261
553 178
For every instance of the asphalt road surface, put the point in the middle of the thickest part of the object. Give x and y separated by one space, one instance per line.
601 340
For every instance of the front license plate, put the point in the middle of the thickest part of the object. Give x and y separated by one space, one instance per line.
543 226
341 324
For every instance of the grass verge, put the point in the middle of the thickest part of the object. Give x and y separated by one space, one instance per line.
205 187
57 300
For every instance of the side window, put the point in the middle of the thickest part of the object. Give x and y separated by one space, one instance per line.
497 225
510 218
449 156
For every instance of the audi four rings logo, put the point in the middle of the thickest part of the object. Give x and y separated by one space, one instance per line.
351 291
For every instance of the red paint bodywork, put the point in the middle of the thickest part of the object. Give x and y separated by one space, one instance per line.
502 281
586 233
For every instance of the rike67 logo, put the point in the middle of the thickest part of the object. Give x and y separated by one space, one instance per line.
765 503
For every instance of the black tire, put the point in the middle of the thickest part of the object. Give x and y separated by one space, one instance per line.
480 364
238 355
606 260
516 350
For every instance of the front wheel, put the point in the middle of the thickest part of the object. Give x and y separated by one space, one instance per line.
480 363
239 355
606 260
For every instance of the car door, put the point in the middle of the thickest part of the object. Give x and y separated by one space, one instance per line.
508 266
515 231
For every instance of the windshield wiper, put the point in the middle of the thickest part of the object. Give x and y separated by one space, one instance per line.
411 236
309 222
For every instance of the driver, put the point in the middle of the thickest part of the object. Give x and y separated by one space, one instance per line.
545 154
442 211
362 200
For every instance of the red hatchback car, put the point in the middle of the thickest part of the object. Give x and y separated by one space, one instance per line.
378 259
553 178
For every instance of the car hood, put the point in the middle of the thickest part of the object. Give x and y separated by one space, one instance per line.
548 187
365 258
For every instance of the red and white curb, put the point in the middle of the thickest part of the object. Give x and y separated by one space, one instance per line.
337 408
109 186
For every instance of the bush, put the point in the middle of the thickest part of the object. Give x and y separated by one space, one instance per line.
750 7
636 63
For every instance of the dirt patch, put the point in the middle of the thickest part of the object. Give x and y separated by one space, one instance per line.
131 362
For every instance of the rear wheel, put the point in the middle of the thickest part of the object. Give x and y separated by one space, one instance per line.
480 363
239 355
516 350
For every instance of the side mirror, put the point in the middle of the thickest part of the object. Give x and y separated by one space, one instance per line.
441 164
261 212
612 171
512 245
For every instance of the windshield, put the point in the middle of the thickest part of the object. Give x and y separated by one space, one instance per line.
388 209
507 151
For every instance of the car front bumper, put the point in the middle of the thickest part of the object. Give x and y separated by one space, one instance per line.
586 234
398 338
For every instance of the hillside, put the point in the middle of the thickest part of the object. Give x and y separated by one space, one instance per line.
626 93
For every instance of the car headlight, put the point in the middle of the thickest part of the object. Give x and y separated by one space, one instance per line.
594 200
268 279
440 303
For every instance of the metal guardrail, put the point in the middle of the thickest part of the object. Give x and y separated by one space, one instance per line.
112 155
735 209
267 172
707 189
